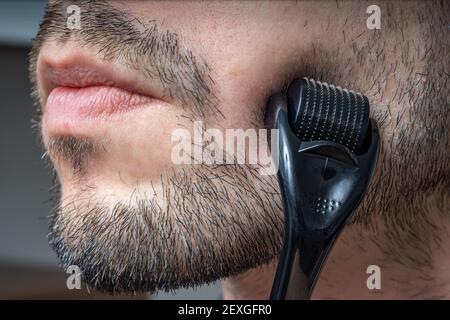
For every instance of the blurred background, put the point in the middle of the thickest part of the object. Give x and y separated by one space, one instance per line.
28 267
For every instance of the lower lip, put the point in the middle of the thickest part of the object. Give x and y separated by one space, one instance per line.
68 107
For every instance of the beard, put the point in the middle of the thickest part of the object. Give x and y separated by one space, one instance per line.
208 223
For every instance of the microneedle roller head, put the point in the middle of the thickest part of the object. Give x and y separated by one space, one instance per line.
322 111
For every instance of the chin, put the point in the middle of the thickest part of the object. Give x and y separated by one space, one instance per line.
191 225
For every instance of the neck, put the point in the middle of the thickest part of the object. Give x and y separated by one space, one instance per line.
404 273
255 284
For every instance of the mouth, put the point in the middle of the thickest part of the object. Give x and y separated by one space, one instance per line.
79 92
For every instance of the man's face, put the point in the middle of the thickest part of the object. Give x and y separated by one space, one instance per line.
128 216
113 92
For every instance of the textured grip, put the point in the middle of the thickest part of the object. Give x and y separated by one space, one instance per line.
322 111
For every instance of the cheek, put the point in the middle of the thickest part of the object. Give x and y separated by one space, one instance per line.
246 80
243 94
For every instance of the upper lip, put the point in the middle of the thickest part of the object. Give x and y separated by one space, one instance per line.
81 70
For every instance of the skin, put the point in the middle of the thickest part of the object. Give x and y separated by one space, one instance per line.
253 50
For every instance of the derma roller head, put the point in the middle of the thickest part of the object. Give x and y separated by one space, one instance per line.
328 149
322 111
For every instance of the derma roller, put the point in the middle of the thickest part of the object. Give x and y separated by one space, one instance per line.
328 150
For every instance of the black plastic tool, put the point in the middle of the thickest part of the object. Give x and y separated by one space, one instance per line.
328 150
